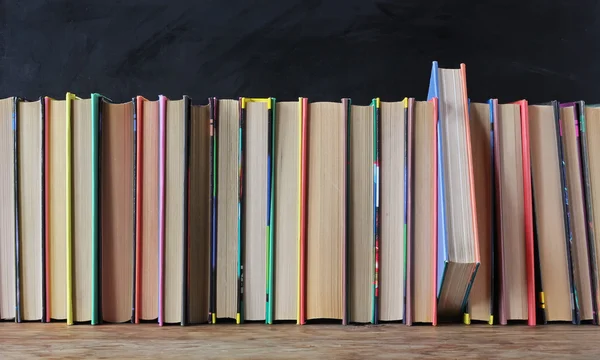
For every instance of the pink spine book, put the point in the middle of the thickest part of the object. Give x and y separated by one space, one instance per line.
162 109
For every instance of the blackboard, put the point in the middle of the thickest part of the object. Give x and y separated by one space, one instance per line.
324 50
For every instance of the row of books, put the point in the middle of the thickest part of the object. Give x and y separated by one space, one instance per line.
259 210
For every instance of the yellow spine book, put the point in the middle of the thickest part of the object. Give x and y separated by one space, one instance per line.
68 193
299 278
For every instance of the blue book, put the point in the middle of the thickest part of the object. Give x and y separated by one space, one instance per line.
458 245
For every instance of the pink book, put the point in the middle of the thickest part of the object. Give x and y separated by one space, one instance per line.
162 110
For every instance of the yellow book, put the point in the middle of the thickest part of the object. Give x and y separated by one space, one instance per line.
69 225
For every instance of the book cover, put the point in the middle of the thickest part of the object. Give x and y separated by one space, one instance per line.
96 225
303 179
528 208
213 183
589 212
15 124
162 105
376 104
565 197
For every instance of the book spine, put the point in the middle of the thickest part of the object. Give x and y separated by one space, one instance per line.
213 181
241 209
162 105
270 207
135 209
492 104
69 202
589 209
376 210
567 217
303 178
434 254
528 199
405 206
139 108
15 125
46 254
96 317
347 124
43 209
186 184
408 257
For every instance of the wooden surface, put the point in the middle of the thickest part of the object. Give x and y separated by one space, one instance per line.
257 341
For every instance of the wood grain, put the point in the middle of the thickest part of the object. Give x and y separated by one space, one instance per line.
257 341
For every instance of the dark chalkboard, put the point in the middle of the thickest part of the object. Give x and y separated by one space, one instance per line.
324 50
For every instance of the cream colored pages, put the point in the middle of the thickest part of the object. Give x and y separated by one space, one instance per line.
459 214
116 194
592 116
174 212
255 215
361 267
424 180
513 225
7 212
199 215
391 265
480 298
326 213
227 207
549 216
287 216
30 208
82 209
149 228
57 208
579 254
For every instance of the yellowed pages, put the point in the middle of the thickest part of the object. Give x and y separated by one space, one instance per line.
174 212
326 213
227 207
391 266
360 248
287 187
57 209
116 194
255 215
7 212
30 208
199 215
549 212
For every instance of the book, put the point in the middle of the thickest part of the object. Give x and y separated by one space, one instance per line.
199 213
146 281
589 206
117 211
227 248
30 152
393 198
361 248
96 108
550 208
578 222
458 244
483 123
422 234
326 234
515 241
8 280
591 133
287 209
56 211
174 124
79 244
256 128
